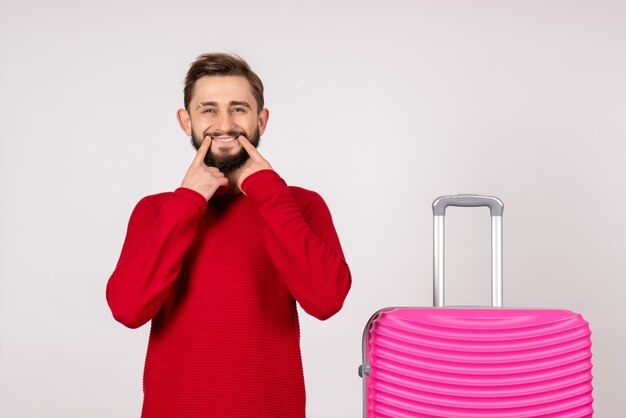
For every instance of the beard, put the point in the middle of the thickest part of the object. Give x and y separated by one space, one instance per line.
226 163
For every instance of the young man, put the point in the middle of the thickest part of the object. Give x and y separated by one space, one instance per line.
219 264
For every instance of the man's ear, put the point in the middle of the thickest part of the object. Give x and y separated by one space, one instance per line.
264 115
184 120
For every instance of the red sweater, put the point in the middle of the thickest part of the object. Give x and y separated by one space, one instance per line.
220 281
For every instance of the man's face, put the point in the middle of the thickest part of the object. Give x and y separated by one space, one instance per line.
223 107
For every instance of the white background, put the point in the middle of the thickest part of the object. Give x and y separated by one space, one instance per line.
379 106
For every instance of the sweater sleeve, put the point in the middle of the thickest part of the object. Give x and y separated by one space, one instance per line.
302 243
156 241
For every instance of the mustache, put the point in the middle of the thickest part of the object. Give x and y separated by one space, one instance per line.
234 134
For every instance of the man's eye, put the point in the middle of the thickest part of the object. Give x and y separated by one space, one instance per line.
207 110
239 109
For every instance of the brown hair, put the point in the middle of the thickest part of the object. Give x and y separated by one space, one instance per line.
222 64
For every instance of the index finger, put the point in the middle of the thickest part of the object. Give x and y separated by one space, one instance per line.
202 150
251 149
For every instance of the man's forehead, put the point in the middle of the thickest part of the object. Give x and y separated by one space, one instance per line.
222 89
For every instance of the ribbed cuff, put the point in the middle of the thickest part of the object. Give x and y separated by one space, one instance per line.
195 197
262 185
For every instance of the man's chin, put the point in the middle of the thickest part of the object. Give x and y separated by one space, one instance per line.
227 163
224 151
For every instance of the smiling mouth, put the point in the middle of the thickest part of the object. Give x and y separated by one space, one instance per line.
223 139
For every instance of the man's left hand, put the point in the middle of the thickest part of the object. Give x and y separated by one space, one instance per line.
254 164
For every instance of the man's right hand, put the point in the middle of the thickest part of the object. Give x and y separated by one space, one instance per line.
204 180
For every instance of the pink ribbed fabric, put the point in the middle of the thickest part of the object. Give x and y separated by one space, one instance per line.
478 363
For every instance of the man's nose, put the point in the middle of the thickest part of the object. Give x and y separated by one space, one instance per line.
225 122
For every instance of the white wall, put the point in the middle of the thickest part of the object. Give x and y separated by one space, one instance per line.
379 106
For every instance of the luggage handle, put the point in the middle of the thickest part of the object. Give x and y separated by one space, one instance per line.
496 208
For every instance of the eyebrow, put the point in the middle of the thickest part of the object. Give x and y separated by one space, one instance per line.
239 103
232 103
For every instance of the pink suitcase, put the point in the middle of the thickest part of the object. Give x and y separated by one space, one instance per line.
475 362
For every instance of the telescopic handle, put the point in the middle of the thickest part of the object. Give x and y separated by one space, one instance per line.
439 211
467 201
